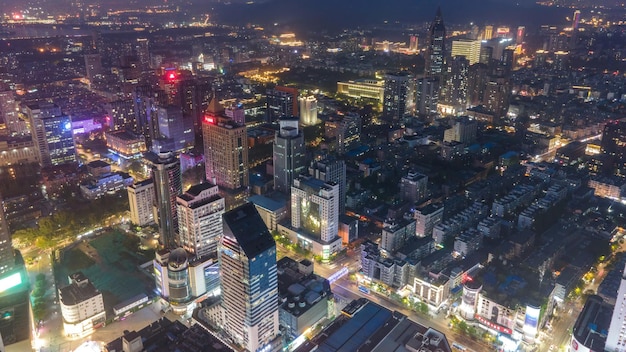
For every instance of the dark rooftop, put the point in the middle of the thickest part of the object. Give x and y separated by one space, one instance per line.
166 336
246 225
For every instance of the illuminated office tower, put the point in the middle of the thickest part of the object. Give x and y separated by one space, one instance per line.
289 154
167 180
612 146
413 42
175 130
308 110
576 20
93 66
616 338
315 208
488 33
427 95
281 102
343 132
121 115
435 47
141 201
142 49
453 100
521 33
249 284
496 98
397 95
467 48
52 133
7 256
226 154
9 113
330 169
199 212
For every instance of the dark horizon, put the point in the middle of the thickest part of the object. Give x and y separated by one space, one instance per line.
333 15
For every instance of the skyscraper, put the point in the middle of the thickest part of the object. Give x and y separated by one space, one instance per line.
469 49
315 208
93 66
7 256
199 212
225 149
8 113
308 110
247 255
576 19
616 339
289 154
453 99
427 95
488 34
521 33
343 132
397 95
167 184
52 133
435 47
613 145
330 169
281 102
141 201
175 130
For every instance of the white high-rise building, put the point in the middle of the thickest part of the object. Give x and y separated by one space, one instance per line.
315 207
200 211
141 201
616 337
308 110
249 280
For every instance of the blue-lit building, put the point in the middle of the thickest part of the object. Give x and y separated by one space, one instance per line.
247 256
52 134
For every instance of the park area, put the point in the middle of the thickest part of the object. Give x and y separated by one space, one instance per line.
111 262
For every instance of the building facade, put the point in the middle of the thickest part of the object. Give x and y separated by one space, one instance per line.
167 181
200 211
82 306
52 133
289 154
247 255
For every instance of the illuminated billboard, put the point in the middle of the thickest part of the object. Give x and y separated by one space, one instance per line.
531 321
10 281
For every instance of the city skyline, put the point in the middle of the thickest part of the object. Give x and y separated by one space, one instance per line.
290 175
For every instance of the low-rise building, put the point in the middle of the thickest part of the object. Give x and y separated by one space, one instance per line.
306 297
82 306
106 183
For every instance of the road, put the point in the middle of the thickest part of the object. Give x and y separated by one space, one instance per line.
347 289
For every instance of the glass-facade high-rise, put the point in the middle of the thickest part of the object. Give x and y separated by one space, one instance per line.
167 185
247 256
52 133
289 154
436 46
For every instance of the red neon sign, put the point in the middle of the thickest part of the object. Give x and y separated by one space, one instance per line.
209 119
